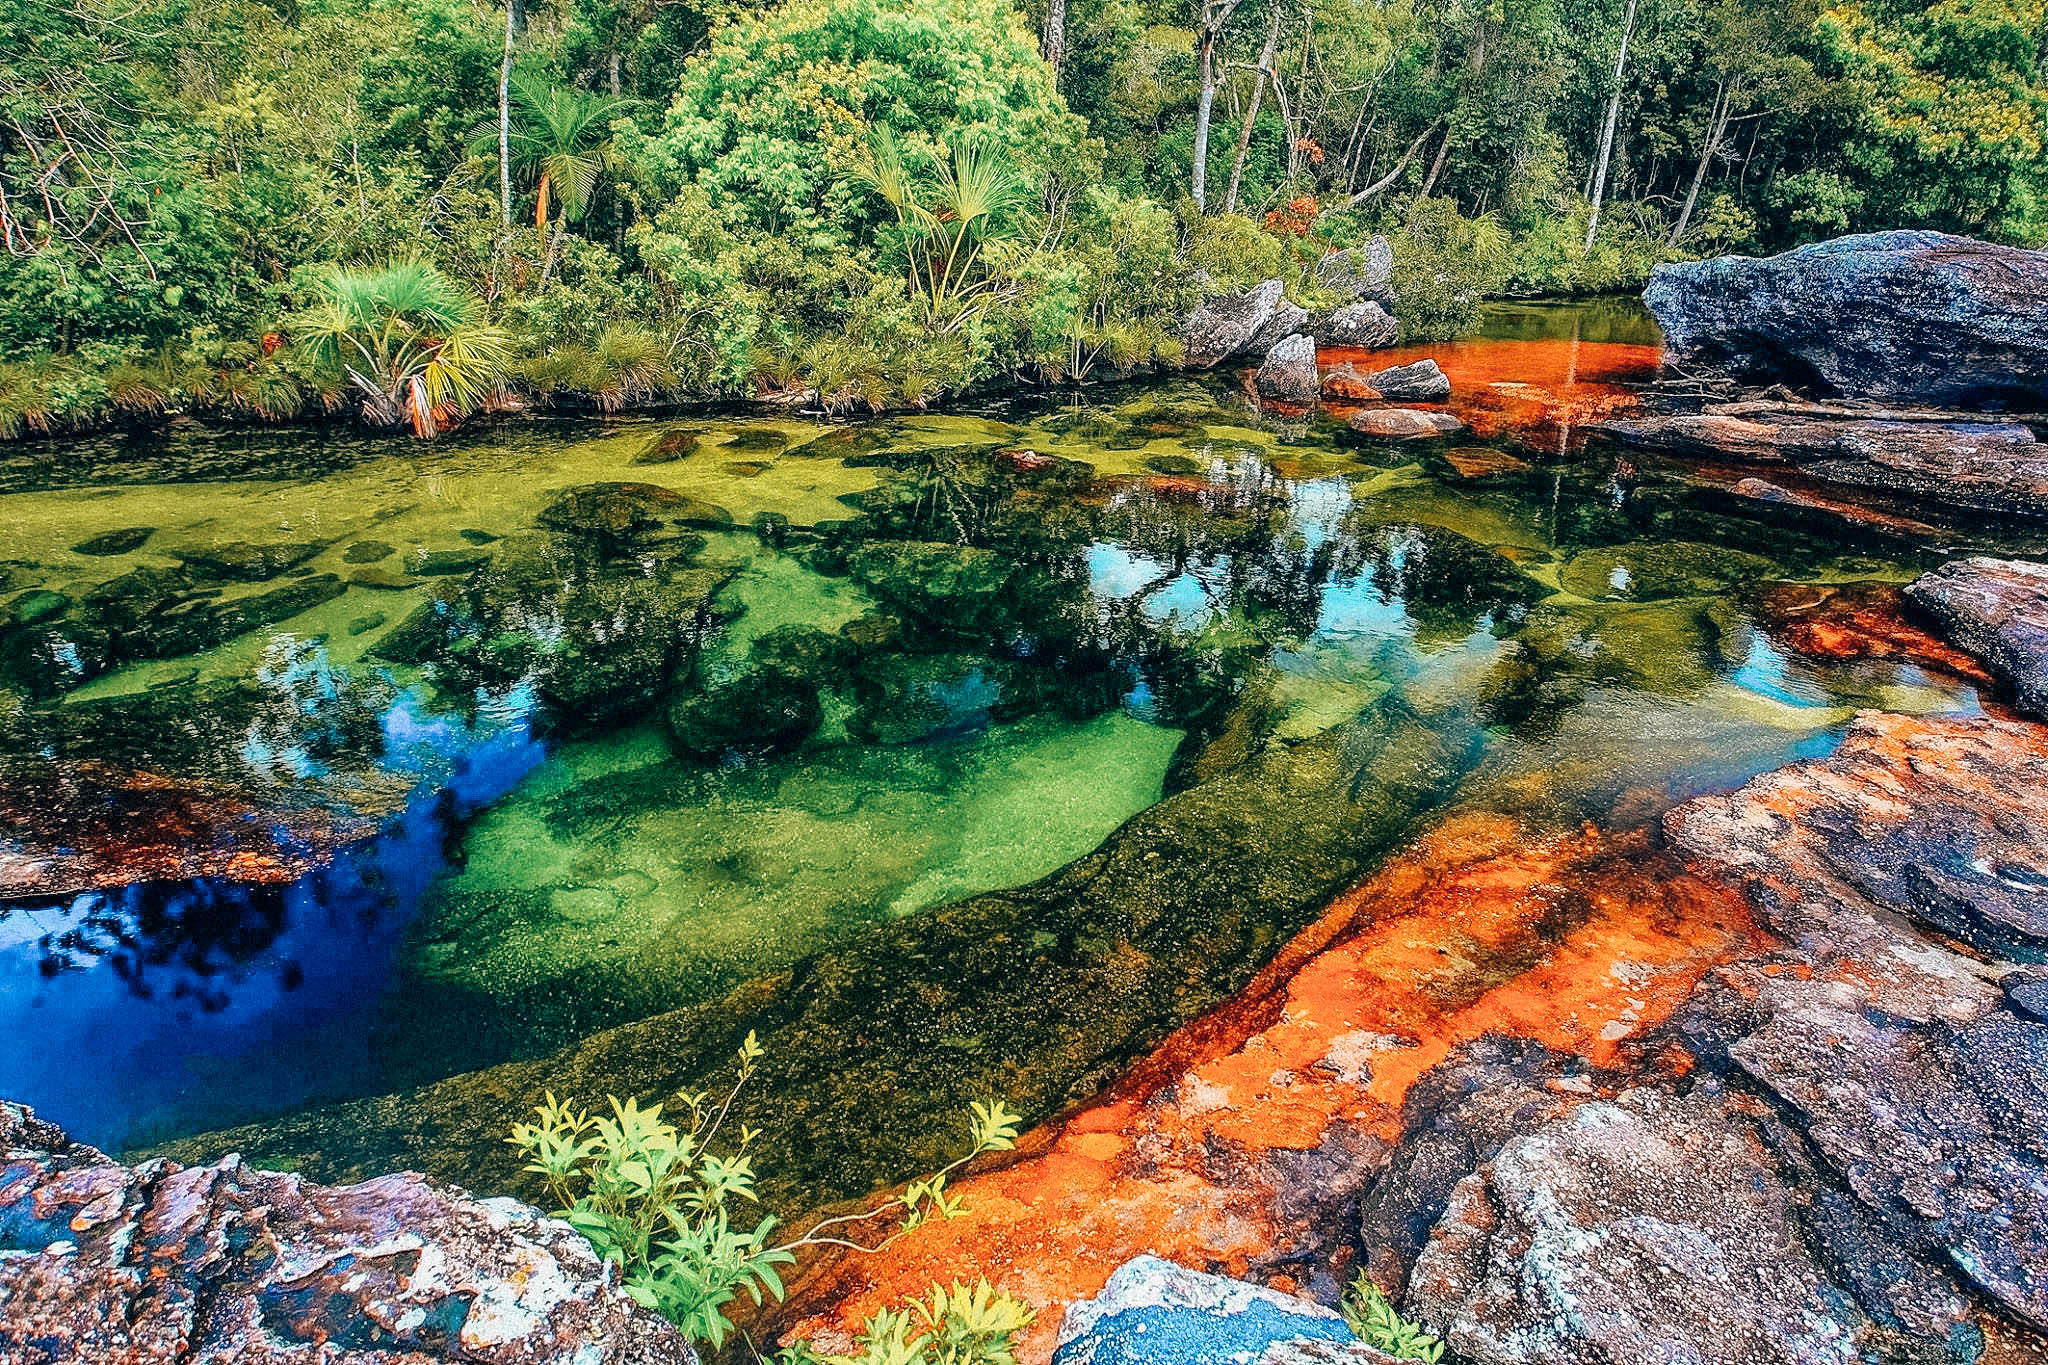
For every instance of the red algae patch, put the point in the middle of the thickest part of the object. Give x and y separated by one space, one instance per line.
1845 622
1578 941
1542 391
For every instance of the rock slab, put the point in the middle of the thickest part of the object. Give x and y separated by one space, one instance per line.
1222 327
1997 609
1421 381
159 1264
1918 317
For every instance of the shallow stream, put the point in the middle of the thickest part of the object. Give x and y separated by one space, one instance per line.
1080 705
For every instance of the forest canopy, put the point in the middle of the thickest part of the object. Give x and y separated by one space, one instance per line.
884 201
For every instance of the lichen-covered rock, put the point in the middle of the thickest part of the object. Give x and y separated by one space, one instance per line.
1898 1057
242 561
1289 373
1647 1228
1363 272
1920 317
1404 424
1997 609
1419 381
1362 326
1220 328
1153 1312
761 710
158 1264
1288 318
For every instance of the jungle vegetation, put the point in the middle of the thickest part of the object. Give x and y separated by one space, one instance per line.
411 209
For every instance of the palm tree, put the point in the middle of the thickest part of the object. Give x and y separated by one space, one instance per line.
561 140
414 342
972 198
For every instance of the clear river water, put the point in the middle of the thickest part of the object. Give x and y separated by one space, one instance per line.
960 753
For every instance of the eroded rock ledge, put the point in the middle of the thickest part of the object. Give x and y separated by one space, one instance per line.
157 1264
1767 1084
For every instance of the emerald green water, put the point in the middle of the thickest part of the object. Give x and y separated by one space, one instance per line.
957 755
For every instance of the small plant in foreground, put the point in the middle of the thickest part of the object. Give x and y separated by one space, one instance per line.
958 1326
657 1200
1371 1316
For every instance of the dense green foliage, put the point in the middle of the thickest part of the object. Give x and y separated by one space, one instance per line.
659 1201
1372 1317
763 198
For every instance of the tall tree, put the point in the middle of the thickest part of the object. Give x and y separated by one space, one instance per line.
1211 18
1599 194
1752 53
1251 113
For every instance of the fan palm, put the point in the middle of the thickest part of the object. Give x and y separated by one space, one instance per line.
561 141
415 343
972 196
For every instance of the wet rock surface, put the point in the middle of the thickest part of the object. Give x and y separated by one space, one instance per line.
1420 381
1404 424
1920 317
162 1265
1998 610
1987 466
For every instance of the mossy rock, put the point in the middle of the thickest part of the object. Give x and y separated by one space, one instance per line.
843 442
245 561
805 652
37 604
1174 464
612 511
476 536
115 542
668 447
755 441
1657 571
367 552
910 698
958 587
759 711
425 563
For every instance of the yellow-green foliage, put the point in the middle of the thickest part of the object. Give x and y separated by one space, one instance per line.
661 1202
1371 1316
956 1325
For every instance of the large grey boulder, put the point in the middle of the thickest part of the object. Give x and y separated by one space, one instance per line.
1288 318
1221 327
1420 381
1363 326
1362 272
159 1264
1289 374
1997 609
1903 317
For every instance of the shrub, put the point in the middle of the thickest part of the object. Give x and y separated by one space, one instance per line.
659 1202
1370 1314
1444 267
956 1326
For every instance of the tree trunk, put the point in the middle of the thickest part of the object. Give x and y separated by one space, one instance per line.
1436 167
1717 122
1599 193
1399 166
505 122
515 10
615 73
1202 109
1251 114
1052 44
1287 128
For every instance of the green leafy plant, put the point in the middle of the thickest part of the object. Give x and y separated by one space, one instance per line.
659 1201
1371 1315
412 341
957 1325
944 219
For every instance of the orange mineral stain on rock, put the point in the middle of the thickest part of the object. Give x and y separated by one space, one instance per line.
1578 941
1845 622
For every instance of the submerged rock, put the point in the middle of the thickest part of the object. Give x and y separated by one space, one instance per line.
162 1265
1997 609
1404 424
115 542
1289 373
246 562
763 711
1917 317
1220 328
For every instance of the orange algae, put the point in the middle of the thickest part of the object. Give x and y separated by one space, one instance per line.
1578 941
1542 391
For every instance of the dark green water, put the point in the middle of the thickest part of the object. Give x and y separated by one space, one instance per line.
1084 707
